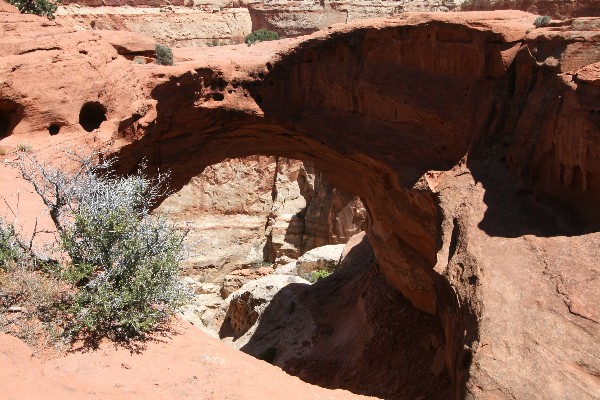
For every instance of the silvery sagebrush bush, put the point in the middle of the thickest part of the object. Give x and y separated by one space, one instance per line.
123 260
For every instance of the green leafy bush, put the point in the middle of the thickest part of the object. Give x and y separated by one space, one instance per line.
45 8
261 35
123 261
542 21
164 55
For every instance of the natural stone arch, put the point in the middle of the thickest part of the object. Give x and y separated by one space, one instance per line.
358 104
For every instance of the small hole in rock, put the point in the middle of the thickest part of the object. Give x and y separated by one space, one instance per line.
53 129
472 280
92 114
218 96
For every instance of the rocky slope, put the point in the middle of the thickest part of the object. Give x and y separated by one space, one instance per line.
472 139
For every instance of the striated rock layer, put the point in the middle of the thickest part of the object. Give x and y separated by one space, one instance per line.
471 138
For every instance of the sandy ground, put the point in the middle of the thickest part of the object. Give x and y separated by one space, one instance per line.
185 363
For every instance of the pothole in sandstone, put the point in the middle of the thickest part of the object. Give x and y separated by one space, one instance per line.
260 226
91 115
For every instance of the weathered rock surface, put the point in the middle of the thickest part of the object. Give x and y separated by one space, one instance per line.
338 330
324 257
170 25
297 17
258 209
559 9
239 278
245 306
482 198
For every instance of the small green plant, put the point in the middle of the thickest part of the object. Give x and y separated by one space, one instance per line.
3 151
45 8
164 55
312 277
139 60
24 147
261 35
542 21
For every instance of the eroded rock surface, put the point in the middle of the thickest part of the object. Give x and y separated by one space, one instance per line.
472 139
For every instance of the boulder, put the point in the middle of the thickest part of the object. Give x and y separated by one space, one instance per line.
246 305
324 257
237 279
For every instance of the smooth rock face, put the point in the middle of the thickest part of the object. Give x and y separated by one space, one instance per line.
482 199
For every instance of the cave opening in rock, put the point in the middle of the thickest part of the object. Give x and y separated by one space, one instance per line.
11 114
91 115
53 129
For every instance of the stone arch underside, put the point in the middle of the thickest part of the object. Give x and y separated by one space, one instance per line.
377 109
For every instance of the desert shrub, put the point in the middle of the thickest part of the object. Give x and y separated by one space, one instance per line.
45 8
9 249
24 147
317 275
123 261
164 55
33 305
542 21
139 60
261 35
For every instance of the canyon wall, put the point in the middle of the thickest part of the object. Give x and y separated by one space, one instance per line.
259 210
218 22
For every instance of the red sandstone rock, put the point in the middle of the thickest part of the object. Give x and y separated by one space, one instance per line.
501 245
186 363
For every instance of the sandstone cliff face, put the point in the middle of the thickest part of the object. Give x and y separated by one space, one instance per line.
294 18
472 139
255 210
174 26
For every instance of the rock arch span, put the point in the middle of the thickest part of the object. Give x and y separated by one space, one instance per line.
384 108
